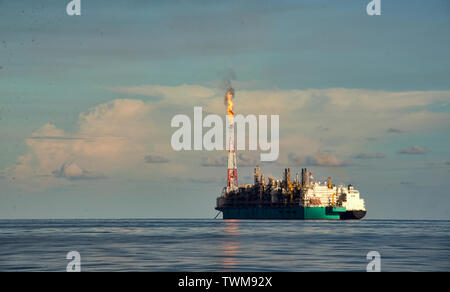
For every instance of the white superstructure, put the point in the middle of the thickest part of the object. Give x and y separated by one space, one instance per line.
326 195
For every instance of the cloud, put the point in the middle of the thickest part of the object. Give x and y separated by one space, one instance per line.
413 150
323 129
184 93
334 108
213 162
155 159
54 138
214 181
375 100
370 156
48 130
394 131
363 113
244 160
323 159
317 159
262 102
406 183
110 138
114 137
72 171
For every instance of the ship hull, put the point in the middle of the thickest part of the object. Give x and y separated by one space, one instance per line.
353 215
295 213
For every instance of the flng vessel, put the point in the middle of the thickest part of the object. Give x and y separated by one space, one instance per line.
283 199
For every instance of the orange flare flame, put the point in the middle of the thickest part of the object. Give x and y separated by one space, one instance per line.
229 96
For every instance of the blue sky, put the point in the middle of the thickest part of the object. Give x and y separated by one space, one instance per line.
77 78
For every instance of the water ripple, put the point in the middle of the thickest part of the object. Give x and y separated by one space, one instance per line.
216 245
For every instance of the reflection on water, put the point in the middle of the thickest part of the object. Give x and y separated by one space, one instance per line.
218 245
230 246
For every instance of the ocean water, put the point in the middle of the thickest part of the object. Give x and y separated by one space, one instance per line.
217 245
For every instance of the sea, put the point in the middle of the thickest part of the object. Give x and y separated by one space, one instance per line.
206 245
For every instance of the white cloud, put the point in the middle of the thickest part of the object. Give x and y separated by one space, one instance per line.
242 160
72 171
156 159
111 137
116 137
377 100
370 156
246 160
413 150
184 93
48 131
214 162
317 159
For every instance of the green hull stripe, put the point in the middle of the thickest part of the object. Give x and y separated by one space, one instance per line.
306 213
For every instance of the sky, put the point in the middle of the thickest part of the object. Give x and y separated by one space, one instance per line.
86 102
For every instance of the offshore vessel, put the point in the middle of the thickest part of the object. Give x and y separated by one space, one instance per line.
282 199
